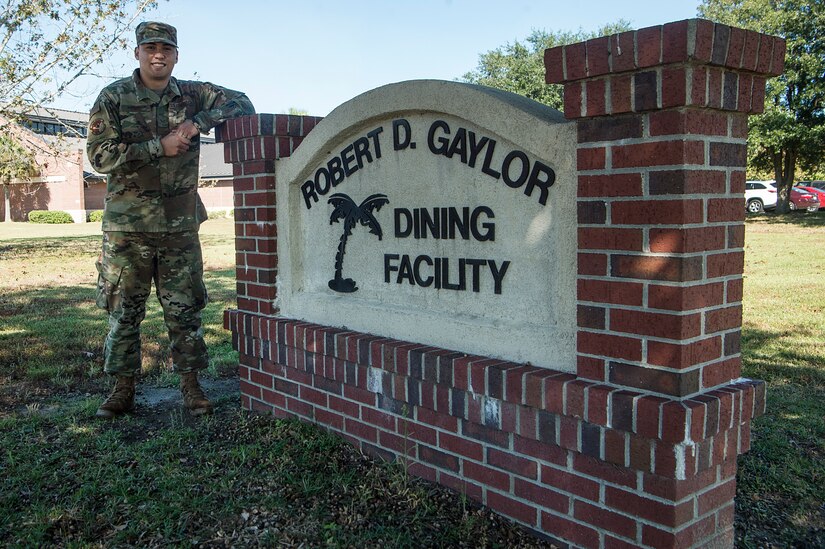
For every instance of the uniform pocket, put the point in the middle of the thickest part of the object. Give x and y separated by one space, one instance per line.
201 214
199 295
108 285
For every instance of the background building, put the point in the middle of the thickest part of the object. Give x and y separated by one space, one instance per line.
66 180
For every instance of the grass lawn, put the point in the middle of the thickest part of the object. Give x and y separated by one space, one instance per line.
233 479
781 482
46 269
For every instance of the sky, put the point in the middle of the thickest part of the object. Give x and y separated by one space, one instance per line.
313 55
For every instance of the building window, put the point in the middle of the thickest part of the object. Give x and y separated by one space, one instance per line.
56 128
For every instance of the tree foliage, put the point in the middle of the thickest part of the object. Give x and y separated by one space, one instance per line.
15 161
46 45
790 135
519 67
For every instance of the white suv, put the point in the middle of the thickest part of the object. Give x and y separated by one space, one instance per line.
759 196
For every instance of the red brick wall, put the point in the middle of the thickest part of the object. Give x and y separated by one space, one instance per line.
64 192
252 143
579 460
95 194
26 197
638 448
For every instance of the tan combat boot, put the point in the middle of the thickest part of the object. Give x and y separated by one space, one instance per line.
121 400
193 397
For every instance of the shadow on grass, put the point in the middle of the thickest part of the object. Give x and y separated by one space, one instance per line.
51 338
779 481
764 359
799 219
229 480
64 245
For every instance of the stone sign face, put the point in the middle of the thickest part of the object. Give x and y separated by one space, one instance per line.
435 212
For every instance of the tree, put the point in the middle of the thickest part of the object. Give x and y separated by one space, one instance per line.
519 68
345 208
15 163
790 135
46 45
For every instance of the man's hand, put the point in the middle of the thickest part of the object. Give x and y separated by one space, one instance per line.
188 129
175 144
179 140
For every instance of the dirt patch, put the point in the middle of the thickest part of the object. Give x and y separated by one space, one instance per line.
20 396
161 407
156 407
158 399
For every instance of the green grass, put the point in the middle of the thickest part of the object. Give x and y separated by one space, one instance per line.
42 273
163 479
781 481
242 480
71 479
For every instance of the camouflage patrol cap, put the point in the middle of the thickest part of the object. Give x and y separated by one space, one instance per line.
152 31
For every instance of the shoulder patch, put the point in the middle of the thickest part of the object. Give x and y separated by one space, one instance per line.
97 126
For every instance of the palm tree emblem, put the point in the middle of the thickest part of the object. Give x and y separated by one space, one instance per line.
346 209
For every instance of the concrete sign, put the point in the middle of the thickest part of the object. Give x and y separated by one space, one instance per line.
435 212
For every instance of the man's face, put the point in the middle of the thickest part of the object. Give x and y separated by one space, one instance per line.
156 62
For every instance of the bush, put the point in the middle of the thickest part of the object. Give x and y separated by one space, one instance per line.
96 216
50 216
221 214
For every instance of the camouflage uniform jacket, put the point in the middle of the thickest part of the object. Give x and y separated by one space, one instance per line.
147 191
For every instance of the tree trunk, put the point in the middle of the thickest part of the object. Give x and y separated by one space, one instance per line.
7 202
338 282
784 165
339 255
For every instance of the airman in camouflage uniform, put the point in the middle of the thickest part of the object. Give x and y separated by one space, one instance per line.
143 133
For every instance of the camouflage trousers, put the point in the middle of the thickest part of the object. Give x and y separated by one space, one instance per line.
130 261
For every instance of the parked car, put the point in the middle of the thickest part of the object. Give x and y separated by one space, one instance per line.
818 193
759 196
815 184
801 200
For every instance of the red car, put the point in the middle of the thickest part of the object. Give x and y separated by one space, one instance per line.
802 200
818 193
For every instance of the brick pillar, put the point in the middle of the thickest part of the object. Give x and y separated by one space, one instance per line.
252 144
662 125
661 115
